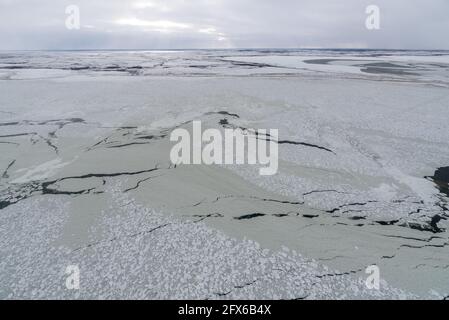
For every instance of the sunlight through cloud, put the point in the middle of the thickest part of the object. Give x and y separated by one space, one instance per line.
159 24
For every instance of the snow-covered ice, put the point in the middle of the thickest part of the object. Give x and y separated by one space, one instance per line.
85 176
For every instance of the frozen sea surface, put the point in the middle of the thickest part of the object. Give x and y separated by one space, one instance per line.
85 176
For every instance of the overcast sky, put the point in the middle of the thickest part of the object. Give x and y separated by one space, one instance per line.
169 24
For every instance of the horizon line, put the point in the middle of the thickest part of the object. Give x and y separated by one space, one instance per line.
221 49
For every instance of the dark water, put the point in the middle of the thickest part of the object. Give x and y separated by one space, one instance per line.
441 179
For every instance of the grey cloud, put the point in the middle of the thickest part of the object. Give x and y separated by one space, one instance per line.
40 24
